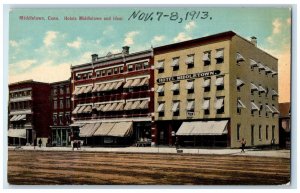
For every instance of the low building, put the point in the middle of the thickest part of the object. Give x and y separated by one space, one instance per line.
285 125
61 108
29 111
214 91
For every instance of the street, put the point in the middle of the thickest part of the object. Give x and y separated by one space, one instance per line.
101 168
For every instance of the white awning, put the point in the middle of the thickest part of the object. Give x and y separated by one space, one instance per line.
101 87
274 93
239 82
220 54
219 81
13 118
119 84
160 65
121 129
205 104
261 89
128 105
106 108
253 87
206 57
197 128
80 110
268 109
253 63
240 104
136 82
190 59
76 90
100 107
274 72
95 88
112 86
175 62
144 81
160 89
239 57
128 83
254 106
113 107
190 105
103 129
260 66
19 133
161 107
190 85
144 104
206 83
88 129
135 105
175 86
87 109
81 90
267 69
88 89
106 87
77 124
120 107
275 110
219 103
175 107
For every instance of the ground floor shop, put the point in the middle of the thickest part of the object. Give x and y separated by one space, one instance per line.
20 136
61 136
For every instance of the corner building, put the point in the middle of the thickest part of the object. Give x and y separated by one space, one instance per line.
214 91
113 99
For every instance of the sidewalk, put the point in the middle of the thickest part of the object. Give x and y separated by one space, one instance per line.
172 150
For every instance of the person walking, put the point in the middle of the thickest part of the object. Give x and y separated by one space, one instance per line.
243 143
34 143
40 143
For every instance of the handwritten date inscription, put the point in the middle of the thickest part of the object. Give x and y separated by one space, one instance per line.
172 16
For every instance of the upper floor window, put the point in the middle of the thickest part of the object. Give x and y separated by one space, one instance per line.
175 88
206 84
55 104
61 90
219 56
219 105
68 103
109 72
54 91
160 66
121 69
190 87
61 104
138 66
175 64
220 82
130 67
116 70
190 61
206 58
68 90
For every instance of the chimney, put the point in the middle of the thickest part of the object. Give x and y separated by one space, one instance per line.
94 57
125 50
254 40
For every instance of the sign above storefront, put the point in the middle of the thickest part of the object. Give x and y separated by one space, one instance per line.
188 76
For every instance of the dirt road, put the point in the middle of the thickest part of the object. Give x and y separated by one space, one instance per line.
49 168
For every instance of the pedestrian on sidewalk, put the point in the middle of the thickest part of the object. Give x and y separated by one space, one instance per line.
177 143
34 143
40 143
243 143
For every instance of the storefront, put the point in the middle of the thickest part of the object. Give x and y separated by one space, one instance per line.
61 136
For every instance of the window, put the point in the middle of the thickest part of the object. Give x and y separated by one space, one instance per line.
219 56
98 74
266 110
273 132
175 108
130 67
146 65
190 105
259 132
267 132
206 84
55 104
116 70
160 66
206 58
253 88
220 82
61 104
205 106
238 127
138 66
253 64
190 87
160 90
121 69
238 109
260 109
239 84
190 61
61 119
90 75
175 64
68 90
68 103
67 118
61 90
54 91
54 119
161 109
219 105
109 72
175 88
267 91
239 58
103 72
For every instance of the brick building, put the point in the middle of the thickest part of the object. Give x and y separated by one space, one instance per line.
113 98
285 125
61 108
29 111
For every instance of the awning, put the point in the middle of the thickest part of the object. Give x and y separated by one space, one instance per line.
240 104
254 107
88 89
119 84
260 66
161 107
120 107
81 90
268 109
175 107
220 54
253 63
253 87
144 81
219 103
206 83
267 69
112 86
205 104
261 89
190 59
239 57
87 109
239 82
101 87
100 107
95 88
13 118
128 105
19 133
219 81
160 65
103 129
203 128
76 90
106 108
136 82
160 89
274 93
121 129
113 107
75 110
275 110
106 87
77 124
175 87
190 105
18 118
128 83
80 110
135 105
206 57
175 62
274 72
144 104
89 129
190 85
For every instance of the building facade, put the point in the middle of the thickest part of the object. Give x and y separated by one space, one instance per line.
206 88
29 111
285 125
113 99
61 108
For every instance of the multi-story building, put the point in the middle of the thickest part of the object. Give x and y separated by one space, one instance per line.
113 98
285 125
214 91
29 111
61 108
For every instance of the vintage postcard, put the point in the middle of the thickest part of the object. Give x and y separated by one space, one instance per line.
185 95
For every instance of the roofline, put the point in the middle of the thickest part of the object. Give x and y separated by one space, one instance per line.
62 81
26 81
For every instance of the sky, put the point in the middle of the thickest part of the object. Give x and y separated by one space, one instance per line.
44 50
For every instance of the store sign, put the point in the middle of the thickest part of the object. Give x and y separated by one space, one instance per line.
188 76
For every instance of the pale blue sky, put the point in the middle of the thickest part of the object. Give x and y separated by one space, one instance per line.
51 46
